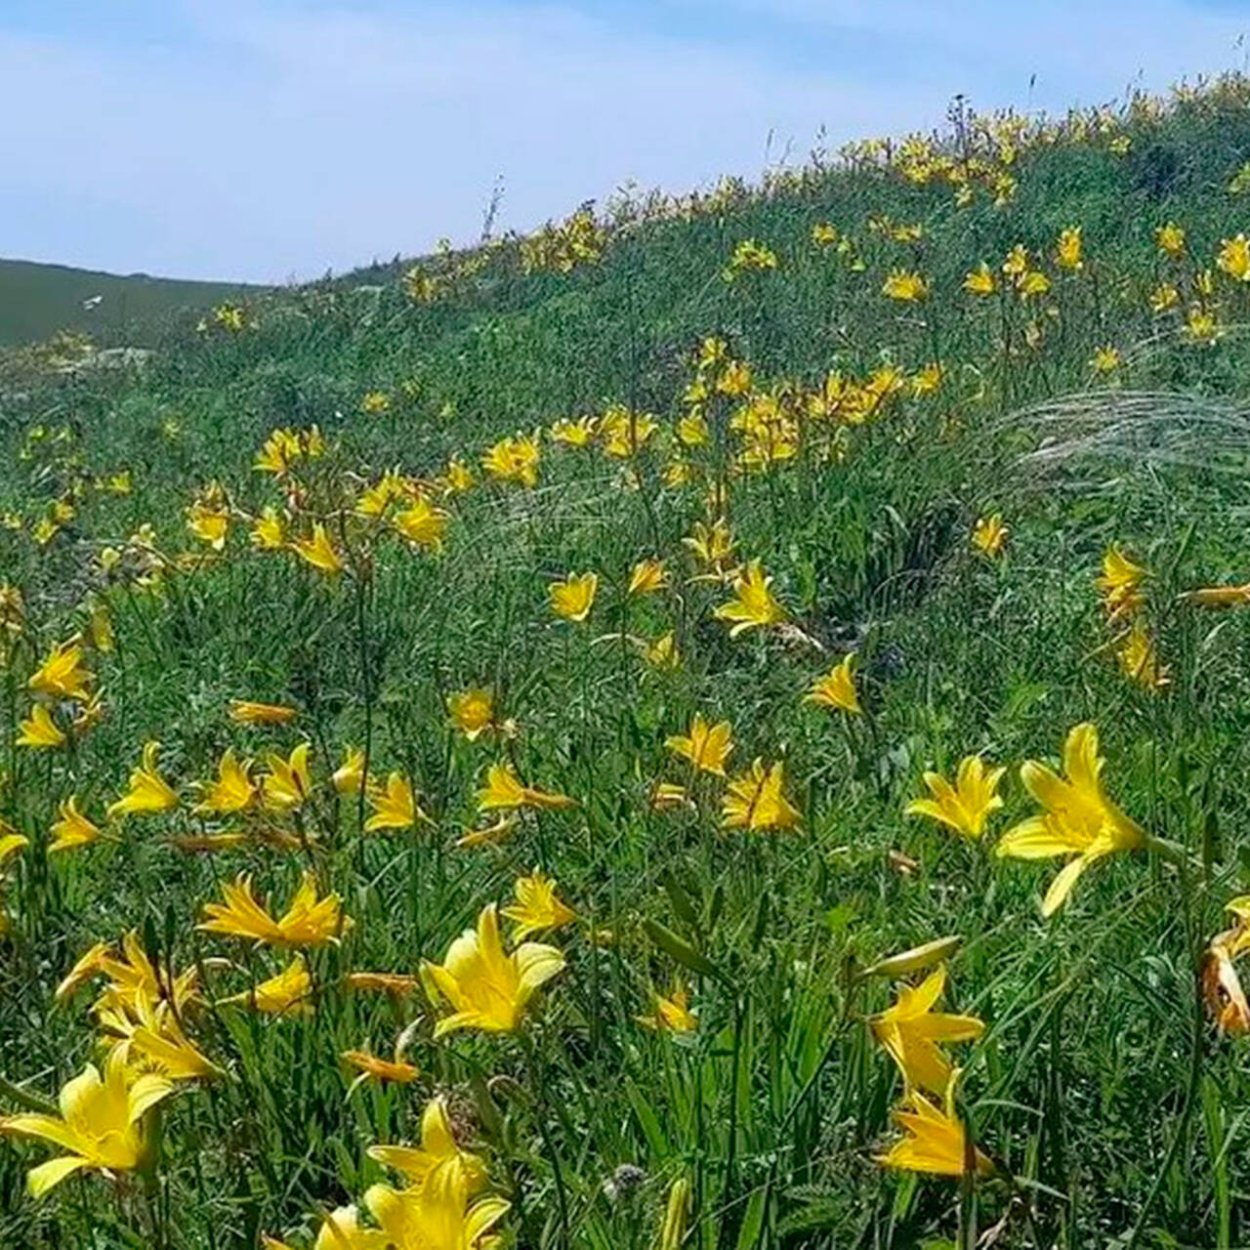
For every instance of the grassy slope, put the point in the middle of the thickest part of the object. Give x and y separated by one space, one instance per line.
1097 1078
36 300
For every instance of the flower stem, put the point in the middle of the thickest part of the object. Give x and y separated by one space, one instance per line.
540 1107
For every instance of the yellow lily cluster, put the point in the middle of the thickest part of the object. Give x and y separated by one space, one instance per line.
441 1206
754 800
67 700
1121 586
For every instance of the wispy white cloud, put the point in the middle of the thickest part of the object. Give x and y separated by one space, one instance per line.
274 138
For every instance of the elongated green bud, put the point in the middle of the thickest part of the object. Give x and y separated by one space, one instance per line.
673 1230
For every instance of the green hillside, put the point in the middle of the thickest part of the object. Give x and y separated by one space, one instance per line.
37 300
720 724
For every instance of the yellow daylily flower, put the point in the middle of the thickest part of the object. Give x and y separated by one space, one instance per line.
668 795
514 460
1240 935
573 598
624 433
149 1034
712 544
905 286
40 731
1202 326
63 675
458 477
1234 258
753 604
394 805
735 379
88 715
1016 263
928 379
148 792
1139 659
671 1013
269 530
287 993
209 522
397 983
72 829
989 535
1165 297
288 783
487 988
472 711
1106 359
910 1031
1170 239
435 1214
422 524
100 631
340 1230
693 430
1078 818
308 921
87 966
133 978
101 1124
438 1150
11 842
371 1066
836 689
503 791
750 256
44 531
537 907
1221 986
317 550
349 776
706 746
1068 251
981 280
754 800
489 835
966 806
935 1142
231 792
247 712
278 452
1219 596
646 577
1033 283
662 652
1120 583
573 433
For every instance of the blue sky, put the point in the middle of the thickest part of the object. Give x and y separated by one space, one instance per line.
271 139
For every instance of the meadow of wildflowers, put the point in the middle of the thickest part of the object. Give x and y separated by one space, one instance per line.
719 724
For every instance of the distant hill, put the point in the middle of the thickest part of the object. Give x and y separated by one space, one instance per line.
37 300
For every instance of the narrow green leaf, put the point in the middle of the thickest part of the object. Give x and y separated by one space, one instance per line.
679 949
